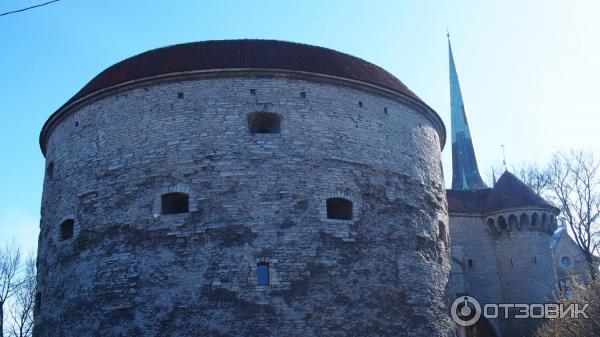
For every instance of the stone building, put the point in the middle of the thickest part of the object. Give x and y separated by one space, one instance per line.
246 188
569 260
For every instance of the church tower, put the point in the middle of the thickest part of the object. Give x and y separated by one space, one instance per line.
465 174
500 236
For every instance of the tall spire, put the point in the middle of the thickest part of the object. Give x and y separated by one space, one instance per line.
465 174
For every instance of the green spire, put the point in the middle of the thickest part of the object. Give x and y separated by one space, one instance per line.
465 174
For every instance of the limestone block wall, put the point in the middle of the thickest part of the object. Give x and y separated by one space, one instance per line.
470 236
524 259
130 270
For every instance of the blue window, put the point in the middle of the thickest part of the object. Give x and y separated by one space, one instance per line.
262 274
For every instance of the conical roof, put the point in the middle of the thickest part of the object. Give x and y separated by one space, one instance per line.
510 192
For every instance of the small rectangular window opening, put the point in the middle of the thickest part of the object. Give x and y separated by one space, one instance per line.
173 203
50 170
253 92
66 229
470 263
303 94
512 263
339 208
264 122
360 104
535 260
385 111
262 274
180 95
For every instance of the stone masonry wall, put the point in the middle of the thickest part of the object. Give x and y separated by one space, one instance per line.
470 236
131 271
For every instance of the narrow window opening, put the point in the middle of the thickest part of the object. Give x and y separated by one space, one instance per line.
303 94
534 220
264 122
253 92
512 263
534 260
262 274
442 232
180 95
76 123
502 223
50 170
470 263
66 229
38 301
339 208
173 203
360 104
385 111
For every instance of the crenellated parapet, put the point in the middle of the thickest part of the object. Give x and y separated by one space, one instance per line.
515 220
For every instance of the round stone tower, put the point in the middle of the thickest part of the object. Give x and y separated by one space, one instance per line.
522 224
243 188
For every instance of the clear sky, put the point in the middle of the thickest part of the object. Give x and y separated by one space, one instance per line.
529 70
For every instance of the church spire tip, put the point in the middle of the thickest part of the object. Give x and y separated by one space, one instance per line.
465 173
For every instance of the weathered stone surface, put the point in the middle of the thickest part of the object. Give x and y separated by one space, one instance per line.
130 271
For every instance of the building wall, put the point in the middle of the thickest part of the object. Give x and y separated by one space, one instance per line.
512 261
470 236
131 271
578 266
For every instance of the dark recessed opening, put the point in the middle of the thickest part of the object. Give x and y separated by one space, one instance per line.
253 92
66 229
180 95
173 203
50 170
534 260
360 104
339 208
302 94
512 263
442 231
262 274
264 122
38 301
76 123
385 111
470 263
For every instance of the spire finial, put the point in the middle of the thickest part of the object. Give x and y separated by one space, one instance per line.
503 157
447 33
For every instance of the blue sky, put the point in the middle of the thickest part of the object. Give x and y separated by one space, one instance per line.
528 69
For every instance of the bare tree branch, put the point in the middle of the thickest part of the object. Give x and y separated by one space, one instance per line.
21 310
10 264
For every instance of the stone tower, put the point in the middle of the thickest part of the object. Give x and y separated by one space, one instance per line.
522 224
243 188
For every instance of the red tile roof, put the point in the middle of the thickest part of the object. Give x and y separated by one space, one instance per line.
243 54
236 55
